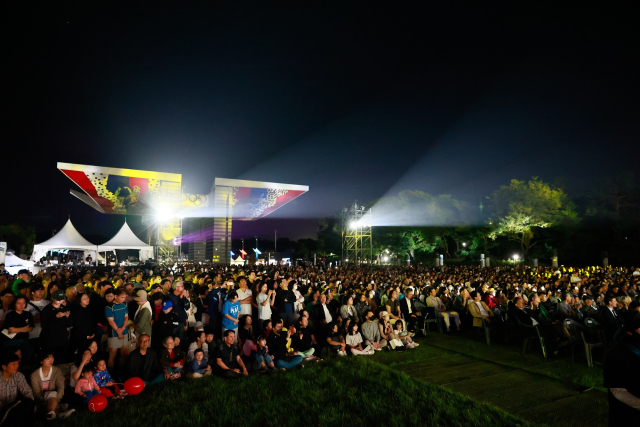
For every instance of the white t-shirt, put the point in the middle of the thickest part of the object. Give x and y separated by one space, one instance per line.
327 314
264 311
354 339
244 308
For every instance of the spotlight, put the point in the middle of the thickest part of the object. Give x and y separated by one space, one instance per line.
353 225
163 215
516 257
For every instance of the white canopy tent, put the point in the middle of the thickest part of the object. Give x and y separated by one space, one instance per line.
13 264
126 239
67 238
237 261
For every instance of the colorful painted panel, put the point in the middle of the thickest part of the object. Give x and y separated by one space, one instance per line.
252 200
126 191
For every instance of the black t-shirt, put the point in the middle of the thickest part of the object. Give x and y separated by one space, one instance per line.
277 344
15 320
302 343
621 371
229 355
141 365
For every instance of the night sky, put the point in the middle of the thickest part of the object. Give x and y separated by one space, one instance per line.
357 101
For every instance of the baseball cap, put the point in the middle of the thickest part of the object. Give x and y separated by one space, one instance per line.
140 295
58 295
167 304
198 325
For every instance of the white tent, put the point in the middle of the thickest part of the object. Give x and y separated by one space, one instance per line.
237 261
126 239
67 238
13 264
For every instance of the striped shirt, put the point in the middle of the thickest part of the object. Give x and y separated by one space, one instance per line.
9 389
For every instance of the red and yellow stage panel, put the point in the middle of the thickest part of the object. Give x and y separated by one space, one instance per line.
124 191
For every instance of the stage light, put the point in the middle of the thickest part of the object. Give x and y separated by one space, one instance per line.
353 225
464 244
163 215
515 257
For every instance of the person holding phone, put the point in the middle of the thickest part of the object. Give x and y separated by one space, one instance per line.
230 314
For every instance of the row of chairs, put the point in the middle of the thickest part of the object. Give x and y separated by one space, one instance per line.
590 336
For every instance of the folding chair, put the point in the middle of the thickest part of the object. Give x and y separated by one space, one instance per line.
529 336
431 316
592 337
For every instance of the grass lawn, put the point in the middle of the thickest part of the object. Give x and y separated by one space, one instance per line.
339 392
559 367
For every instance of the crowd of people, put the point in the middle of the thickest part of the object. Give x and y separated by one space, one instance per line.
69 333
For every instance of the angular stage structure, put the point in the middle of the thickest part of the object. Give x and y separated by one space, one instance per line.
159 198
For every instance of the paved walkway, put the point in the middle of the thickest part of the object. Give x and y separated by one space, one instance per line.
534 397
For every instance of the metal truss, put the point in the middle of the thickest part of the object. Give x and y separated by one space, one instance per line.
357 244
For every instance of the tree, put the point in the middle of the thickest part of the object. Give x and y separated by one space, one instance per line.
521 208
615 198
329 237
20 239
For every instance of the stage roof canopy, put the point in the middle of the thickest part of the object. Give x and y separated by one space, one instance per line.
67 238
124 239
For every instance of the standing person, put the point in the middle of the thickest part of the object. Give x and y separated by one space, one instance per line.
84 324
215 318
284 301
23 277
16 397
622 376
117 316
35 307
55 320
266 299
143 315
19 322
230 313
180 305
245 298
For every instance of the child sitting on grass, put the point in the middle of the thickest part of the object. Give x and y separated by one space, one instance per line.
107 386
199 366
260 354
86 385
404 336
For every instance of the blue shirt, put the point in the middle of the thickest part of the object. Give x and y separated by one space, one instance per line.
232 309
117 312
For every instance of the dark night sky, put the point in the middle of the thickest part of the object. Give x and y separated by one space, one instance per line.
355 101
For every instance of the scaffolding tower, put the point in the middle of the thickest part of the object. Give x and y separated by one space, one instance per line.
357 244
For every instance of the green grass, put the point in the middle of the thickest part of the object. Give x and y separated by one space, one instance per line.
562 368
340 392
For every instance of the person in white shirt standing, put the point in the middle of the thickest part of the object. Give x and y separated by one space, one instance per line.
266 299
245 298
